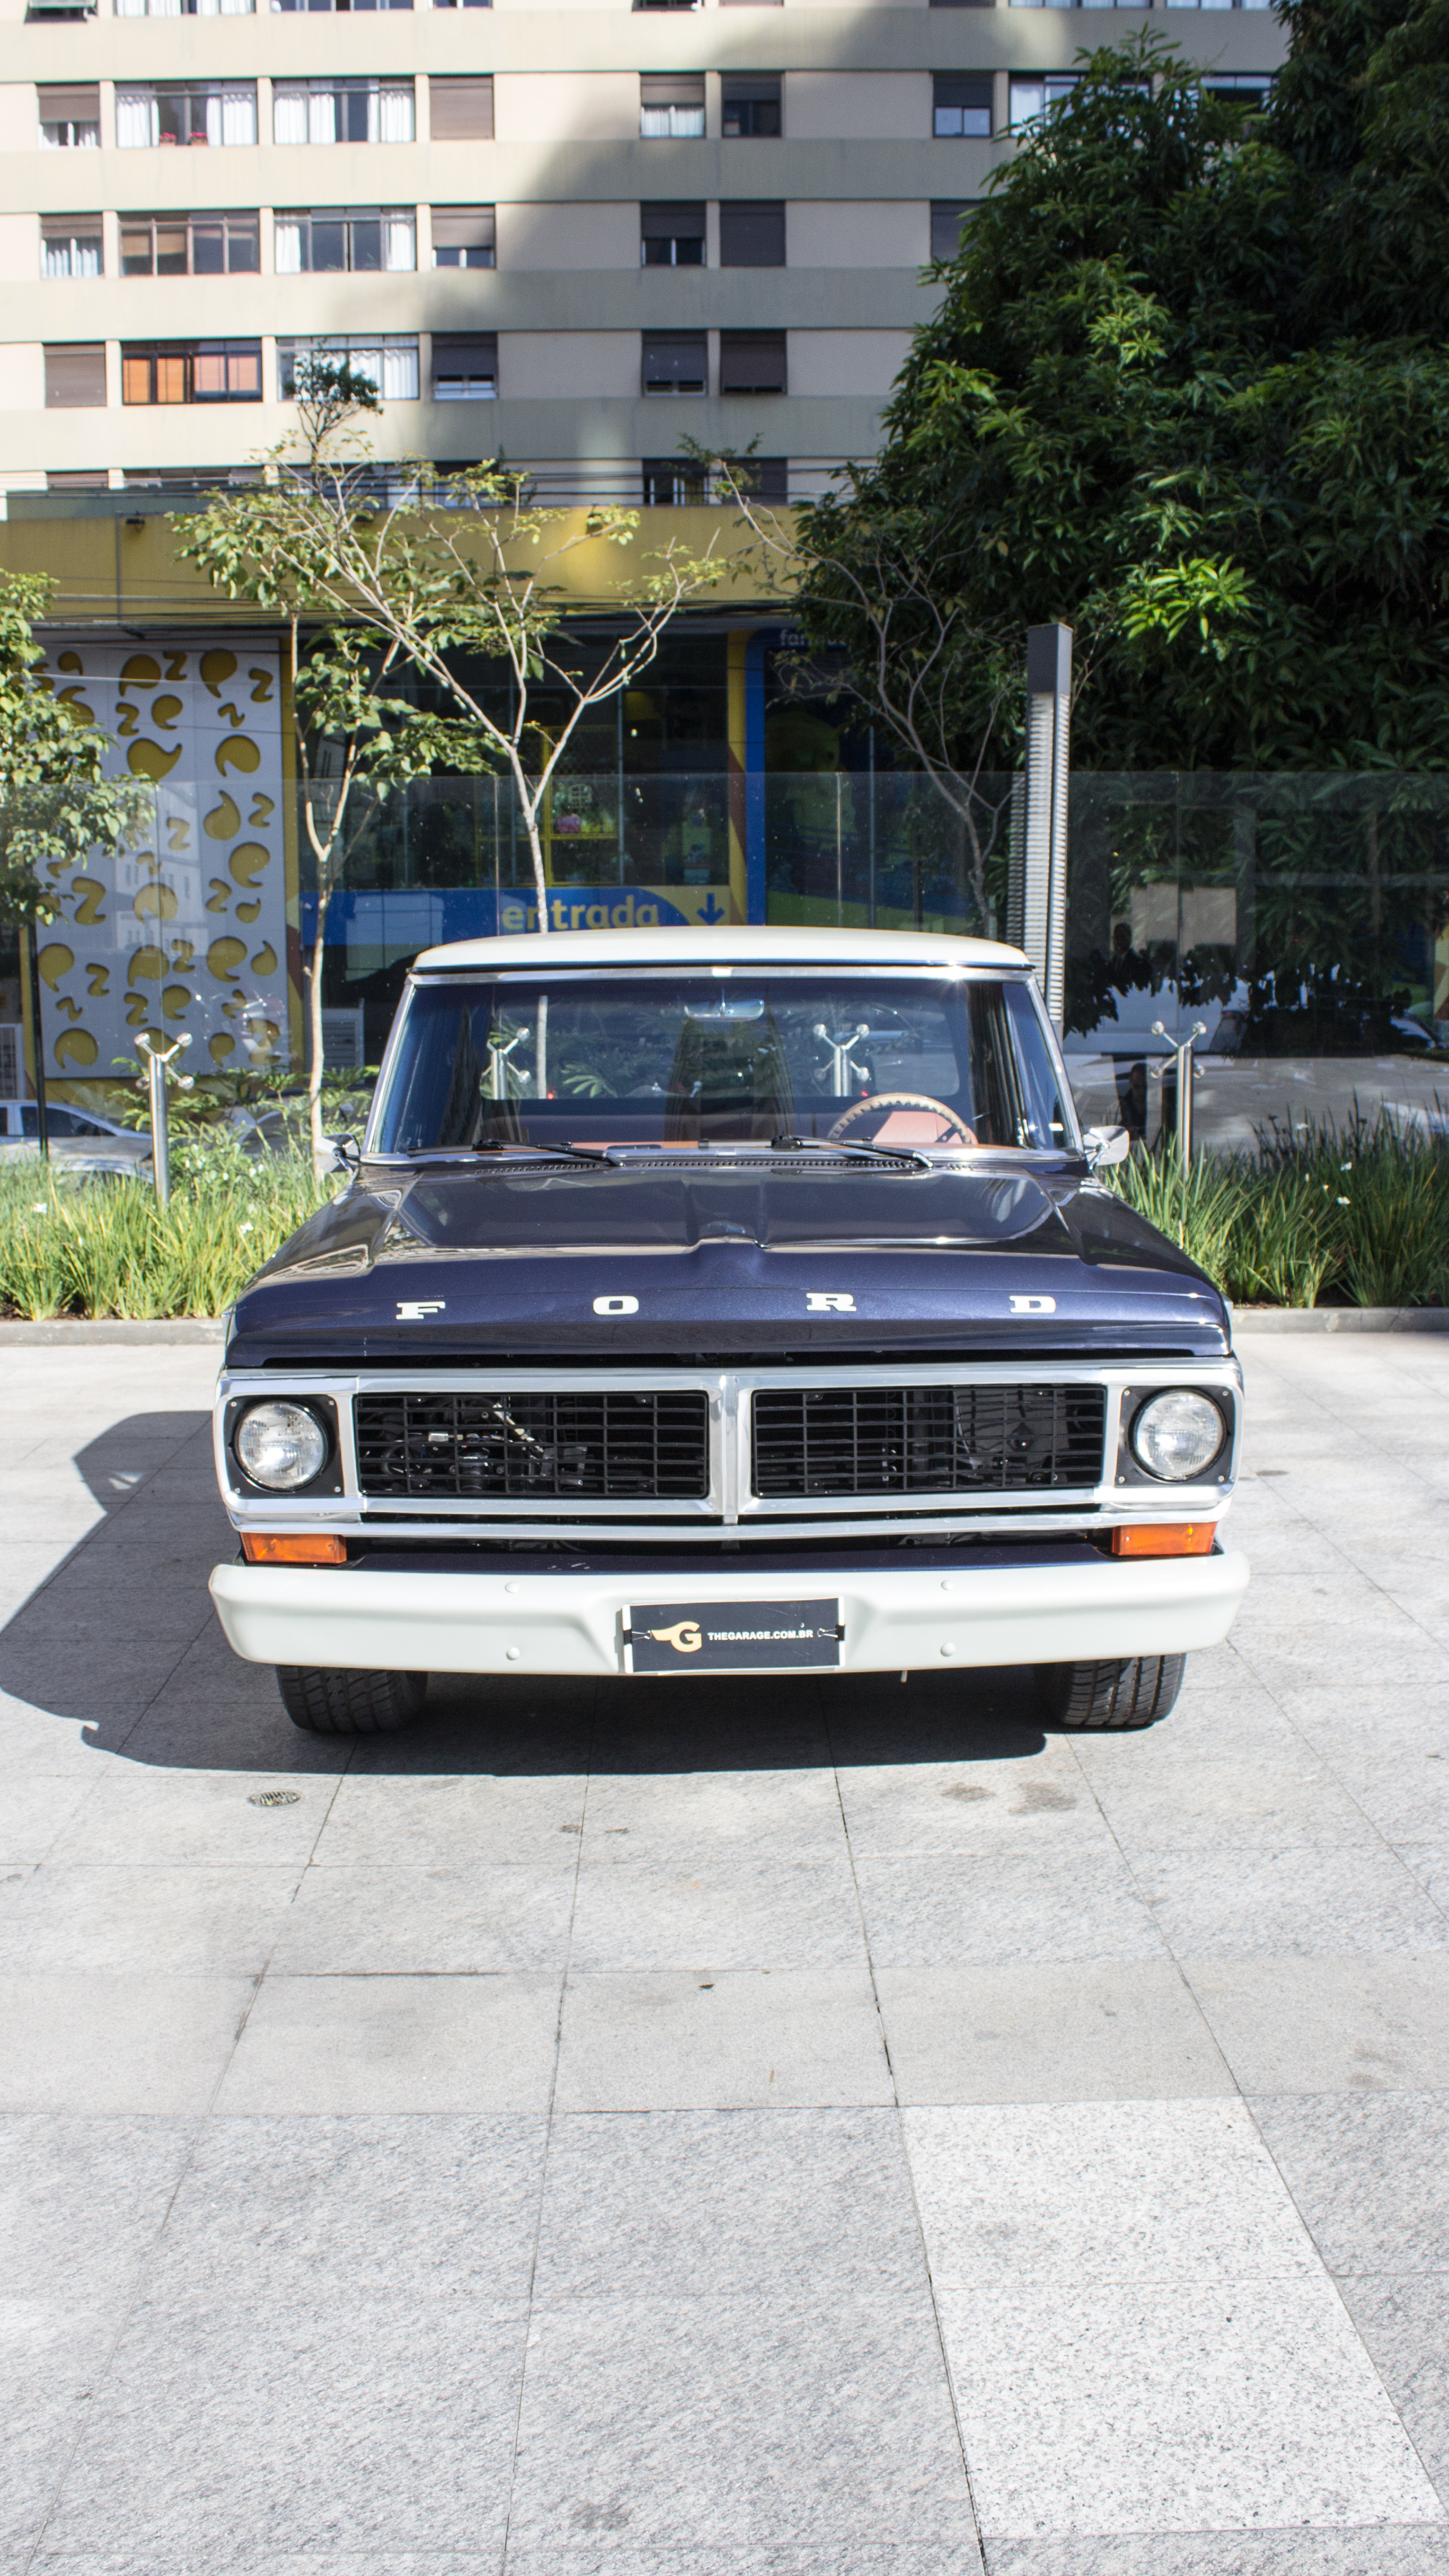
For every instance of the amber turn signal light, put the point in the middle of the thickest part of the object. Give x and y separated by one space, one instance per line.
259 1550
1163 1538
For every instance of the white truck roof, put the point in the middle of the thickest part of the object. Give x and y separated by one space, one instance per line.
688 946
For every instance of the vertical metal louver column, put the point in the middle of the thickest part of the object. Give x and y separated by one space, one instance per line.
1048 755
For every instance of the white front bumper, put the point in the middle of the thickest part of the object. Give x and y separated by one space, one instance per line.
573 1623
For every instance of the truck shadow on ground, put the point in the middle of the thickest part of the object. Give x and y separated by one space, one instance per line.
122 1639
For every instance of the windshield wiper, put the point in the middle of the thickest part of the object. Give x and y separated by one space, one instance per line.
862 1153
561 1153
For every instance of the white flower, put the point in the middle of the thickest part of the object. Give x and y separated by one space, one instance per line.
1345 1202
39 1207
248 1229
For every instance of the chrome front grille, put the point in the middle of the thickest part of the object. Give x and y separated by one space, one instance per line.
535 1447
835 1441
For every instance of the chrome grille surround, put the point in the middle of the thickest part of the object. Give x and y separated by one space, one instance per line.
728 1503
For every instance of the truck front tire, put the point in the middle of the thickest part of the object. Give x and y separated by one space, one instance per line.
349 1703
1134 1693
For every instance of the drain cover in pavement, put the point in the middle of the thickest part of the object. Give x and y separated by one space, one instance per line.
274 1798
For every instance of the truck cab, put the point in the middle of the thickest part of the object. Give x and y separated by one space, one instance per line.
727 1301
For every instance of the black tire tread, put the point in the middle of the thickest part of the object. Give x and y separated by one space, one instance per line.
1135 1691
343 1702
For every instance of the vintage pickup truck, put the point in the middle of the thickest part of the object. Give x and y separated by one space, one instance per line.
727 1301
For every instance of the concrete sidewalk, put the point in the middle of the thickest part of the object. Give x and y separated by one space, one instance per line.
725 2130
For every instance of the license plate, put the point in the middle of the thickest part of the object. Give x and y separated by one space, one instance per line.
731 1636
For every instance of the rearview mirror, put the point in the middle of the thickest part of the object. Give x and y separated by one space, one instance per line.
346 1153
1106 1145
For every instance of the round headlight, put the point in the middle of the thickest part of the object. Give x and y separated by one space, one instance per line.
280 1446
1177 1435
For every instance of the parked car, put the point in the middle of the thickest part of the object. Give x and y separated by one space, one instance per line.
727 1301
80 1141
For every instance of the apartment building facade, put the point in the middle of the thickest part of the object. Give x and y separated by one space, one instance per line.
578 237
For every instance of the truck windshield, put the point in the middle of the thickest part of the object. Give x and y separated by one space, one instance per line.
692 1058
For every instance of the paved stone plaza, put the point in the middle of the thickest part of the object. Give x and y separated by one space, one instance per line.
725 2130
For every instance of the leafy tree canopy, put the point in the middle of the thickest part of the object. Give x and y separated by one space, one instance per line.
1188 391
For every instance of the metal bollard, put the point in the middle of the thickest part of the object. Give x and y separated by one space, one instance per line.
1182 1057
157 1061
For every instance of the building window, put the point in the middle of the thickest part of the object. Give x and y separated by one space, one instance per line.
1244 89
191 371
465 367
348 237
464 237
70 246
752 362
947 216
962 104
671 236
94 478
341 4
342 111
752 103
676 362
1032 93
184 8
388 360
673 482
461 111
766 478
75 376
194 112
666 4
223 244
671 103
70 118
752 234
468 4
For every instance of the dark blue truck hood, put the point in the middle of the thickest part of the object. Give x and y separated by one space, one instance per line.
729 1262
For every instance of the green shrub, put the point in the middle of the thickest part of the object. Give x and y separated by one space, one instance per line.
106 1248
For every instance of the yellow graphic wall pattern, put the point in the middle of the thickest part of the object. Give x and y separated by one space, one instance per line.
187 930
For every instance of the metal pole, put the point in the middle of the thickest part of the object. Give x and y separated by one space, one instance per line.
157 1060
1048 762
1183 1059
37 1037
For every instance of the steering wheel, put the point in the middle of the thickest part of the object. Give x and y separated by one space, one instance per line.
912 1118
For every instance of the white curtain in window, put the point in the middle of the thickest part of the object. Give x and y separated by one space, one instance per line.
394 115
289 115
55 259
130 8
362 360
238 115
400 372
322 116
85 259
288 246
400 247
135 119
164 9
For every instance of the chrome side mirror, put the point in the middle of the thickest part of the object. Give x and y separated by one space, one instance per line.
346 1153
1106 1145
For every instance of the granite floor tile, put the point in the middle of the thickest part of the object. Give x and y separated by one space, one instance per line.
1328 2025
380 2044
1379 2549
999 1907
1369 2173
718 1908
1403 2321
711 2204
418 2209
1126 2029
1166 2191
1197 1804
430 1922
183 1922
795 2038
606 2552
83 2200
36 1808
1043 1803
1245 1901
1165 2405
82 2042
763 1811
239 2431
749 2421
52 2357
201 1818
435 1822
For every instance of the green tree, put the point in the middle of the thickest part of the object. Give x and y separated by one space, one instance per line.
56 803
1187 391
